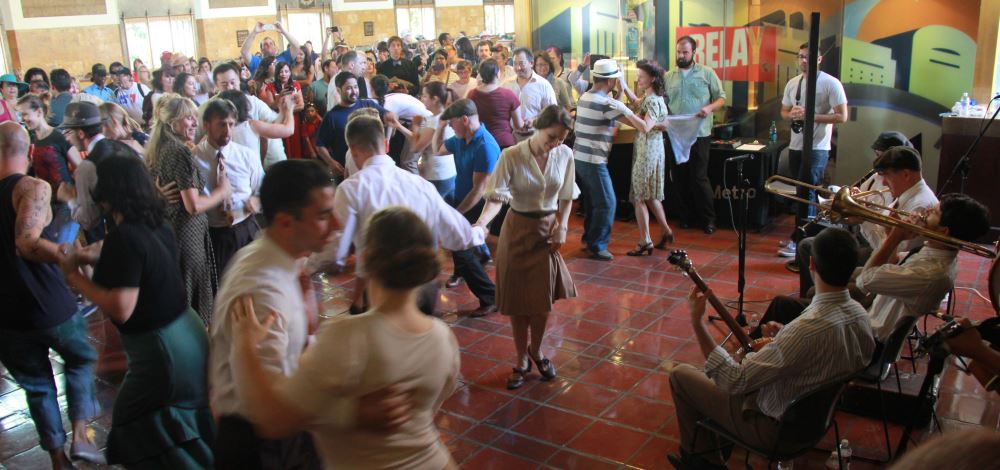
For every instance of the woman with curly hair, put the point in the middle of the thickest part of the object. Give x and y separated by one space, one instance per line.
648 164
170 160
161 418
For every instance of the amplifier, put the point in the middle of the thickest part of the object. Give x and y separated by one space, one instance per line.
862 398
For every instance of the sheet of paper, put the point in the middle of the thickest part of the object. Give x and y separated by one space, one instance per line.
751 147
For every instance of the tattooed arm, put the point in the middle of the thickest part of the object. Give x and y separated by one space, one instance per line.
31 200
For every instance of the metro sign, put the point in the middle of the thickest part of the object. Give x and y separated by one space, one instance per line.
737 53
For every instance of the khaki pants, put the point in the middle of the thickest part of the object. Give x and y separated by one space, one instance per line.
697 397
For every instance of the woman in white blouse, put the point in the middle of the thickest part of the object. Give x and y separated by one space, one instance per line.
391 345
536 178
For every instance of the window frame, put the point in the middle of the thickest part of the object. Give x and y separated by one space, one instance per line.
152 61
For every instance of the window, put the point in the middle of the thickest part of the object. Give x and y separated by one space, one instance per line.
149 37
306 25
499 17
415 17
3 50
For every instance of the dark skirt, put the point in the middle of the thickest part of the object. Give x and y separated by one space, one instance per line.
161 418
529 276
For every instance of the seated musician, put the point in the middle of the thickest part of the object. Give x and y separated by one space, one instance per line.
899 170
911 287
830 341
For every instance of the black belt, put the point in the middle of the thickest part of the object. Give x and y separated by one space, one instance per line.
535 215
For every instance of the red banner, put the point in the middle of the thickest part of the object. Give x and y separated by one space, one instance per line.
737 53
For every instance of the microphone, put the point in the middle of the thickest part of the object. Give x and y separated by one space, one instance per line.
740 158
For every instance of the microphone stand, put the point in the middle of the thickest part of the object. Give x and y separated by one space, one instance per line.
965 162
742 239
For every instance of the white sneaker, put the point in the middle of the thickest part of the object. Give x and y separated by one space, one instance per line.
788 251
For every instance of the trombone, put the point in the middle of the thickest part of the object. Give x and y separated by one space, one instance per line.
843 205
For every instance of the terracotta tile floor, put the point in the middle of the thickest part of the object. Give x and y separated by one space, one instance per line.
614 347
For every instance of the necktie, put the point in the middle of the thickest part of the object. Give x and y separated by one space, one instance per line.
220 169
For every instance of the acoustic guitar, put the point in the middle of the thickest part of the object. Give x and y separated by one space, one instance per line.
679 258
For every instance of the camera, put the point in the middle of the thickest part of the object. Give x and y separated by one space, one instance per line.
333 29
797 126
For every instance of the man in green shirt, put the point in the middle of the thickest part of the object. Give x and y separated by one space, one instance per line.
694 89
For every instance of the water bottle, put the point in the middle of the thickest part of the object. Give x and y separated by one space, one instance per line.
845 454
834 463
772 133
965 105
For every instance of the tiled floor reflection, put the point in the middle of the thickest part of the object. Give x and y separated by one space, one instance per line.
614 347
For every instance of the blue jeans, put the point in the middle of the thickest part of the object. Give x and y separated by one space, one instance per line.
26 355
446 188
599 207
810 173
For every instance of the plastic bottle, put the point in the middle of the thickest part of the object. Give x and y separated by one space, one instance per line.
772 133
833 462
965 105
845 454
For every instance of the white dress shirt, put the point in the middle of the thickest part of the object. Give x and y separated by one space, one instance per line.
245 176
913 288
519 181
830 340
405 107
380 184
535 95
268 273
918 198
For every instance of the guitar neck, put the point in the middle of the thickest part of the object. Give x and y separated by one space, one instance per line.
738 331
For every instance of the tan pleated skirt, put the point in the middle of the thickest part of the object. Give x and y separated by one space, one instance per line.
529 277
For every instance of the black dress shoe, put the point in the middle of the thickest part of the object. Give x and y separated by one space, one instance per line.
792 266
545 368
709 229
482 311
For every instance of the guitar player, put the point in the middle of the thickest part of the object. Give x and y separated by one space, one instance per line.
748 398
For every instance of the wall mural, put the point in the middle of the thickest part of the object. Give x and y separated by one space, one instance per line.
902 62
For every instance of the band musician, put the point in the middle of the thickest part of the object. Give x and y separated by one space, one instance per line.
830 341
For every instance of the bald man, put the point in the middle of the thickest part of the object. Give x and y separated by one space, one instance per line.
40 312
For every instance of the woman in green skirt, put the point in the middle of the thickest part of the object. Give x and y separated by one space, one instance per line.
161 419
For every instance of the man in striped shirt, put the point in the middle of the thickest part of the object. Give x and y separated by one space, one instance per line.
596 114
830 341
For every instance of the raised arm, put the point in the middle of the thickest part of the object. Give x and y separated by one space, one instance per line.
250 41
291 40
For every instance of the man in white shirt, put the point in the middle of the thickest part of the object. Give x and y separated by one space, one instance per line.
534 91
831 108
904 284
130 94
917 285
297 201
380 184
914 196
232 224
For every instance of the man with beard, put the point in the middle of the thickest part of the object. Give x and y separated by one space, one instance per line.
330 141
232 224
694 89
